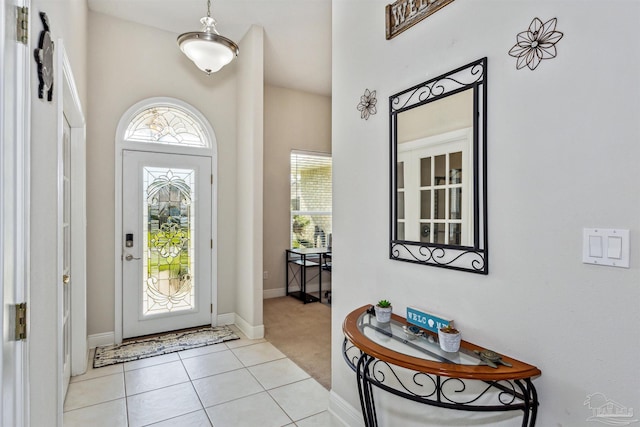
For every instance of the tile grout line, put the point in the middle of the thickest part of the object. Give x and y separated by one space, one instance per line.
281 408
285 385
269 394
126 397
91 405
177 416
196 392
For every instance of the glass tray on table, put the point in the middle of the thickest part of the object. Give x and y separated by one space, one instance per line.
393 336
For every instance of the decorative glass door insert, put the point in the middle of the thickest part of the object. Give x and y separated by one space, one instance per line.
168 224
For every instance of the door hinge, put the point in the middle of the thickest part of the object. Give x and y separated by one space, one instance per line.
20 318
211 179
22 25
211 308
211 243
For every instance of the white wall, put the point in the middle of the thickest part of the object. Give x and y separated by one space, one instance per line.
294 120
127 63
563 149
248 255
67 20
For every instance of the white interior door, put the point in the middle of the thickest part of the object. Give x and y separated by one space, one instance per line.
72 298
65 281
166 242
15 58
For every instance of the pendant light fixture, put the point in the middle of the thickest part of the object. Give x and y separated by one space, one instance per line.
207 48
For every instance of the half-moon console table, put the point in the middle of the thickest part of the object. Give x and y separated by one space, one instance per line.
386 356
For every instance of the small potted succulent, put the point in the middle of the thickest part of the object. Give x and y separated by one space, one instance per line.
383 311
449 338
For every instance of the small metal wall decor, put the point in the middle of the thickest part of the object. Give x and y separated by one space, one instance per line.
403 14
536 43
44 58
367 105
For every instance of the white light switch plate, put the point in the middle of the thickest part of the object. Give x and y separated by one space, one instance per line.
606 246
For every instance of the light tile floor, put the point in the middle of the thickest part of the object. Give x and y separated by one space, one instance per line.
241 383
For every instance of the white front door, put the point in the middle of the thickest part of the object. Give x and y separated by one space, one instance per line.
166 242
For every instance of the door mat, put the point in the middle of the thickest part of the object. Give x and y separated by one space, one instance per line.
156 346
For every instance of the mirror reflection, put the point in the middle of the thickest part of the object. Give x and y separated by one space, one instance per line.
438 209
434 169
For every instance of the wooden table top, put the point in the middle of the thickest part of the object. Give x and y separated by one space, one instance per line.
519 370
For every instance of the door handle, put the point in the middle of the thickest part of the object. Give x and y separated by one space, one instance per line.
130 257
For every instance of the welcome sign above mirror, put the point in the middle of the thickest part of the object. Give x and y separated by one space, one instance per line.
403 14
438 171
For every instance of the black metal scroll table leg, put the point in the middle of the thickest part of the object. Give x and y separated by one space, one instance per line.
359 380
534 401
365 391
530 400
373 417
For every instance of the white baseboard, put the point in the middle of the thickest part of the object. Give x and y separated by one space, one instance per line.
252 332
226 319
273 293
99 340
342 410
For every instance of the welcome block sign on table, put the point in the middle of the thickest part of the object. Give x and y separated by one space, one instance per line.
429 321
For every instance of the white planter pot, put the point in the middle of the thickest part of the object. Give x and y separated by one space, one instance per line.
383 314
449 342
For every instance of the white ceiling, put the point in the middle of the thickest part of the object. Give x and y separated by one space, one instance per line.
297 47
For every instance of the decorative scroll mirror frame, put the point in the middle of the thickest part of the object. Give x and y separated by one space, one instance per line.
473 256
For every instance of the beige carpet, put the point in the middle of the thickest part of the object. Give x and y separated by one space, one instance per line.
303 333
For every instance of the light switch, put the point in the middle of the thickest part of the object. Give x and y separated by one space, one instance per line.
595 246
614 247
606 246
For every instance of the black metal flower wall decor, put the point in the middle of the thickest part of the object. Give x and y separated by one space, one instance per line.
536 44
44 58
367 105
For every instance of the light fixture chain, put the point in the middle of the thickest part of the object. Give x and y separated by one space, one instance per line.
209 8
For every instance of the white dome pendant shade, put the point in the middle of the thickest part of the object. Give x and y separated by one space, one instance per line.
207 48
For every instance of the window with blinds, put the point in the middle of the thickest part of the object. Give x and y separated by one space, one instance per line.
310 200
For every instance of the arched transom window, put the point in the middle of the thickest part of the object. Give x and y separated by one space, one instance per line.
166 124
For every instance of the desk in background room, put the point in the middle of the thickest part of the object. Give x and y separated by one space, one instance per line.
297 262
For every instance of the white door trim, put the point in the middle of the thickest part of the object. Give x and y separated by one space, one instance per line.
15 191
120 146
69 105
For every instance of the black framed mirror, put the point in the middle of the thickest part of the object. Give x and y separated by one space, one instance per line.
438 174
